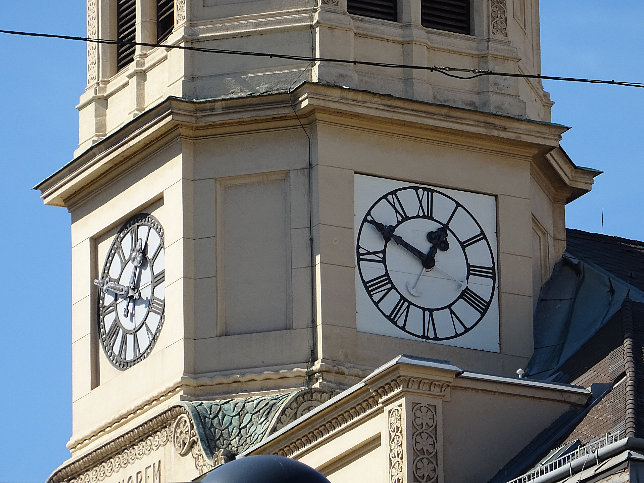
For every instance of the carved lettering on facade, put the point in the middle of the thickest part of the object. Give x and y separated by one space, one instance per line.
149 474
424 442
396 442
92 47
129 457
499 18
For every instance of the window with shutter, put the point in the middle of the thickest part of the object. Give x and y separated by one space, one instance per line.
450 15
382 9
165 19
126 31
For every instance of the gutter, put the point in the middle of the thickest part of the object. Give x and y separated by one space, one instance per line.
602 454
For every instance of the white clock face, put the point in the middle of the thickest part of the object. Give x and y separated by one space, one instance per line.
131 299
425 263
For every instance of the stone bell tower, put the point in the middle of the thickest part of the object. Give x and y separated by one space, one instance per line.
225 206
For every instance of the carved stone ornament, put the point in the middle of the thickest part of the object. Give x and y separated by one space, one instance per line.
499 18
331 3
301 404
180 11
92 47
424 440
396 442
184 435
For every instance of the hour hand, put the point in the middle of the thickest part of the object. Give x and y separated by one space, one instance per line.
115 288
387 232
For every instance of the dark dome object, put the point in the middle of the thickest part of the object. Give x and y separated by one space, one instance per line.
264 469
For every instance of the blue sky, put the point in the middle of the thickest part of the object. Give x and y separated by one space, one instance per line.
40 82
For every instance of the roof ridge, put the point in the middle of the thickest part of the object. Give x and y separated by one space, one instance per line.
602 235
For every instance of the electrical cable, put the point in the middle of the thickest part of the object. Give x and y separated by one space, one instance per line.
454 72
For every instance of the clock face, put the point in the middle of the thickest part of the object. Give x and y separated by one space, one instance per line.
131 299
425 262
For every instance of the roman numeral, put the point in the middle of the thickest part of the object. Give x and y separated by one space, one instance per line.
147 329
158 278
136 348
429 323
424 197
365 255
156 254
112 334
121 255
480 271
108 309
398 207
123 347
456 318
474 239
400 311
156 305
379 285
474 300
451 217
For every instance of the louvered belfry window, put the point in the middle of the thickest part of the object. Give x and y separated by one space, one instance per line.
165 19
126 31
382 9
450 15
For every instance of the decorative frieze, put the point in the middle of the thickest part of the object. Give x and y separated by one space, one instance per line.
499 18
424 443
396 445
128 457
427 386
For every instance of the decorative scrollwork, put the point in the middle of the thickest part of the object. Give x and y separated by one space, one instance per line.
92 47
499 18
396 441
301 404
183 435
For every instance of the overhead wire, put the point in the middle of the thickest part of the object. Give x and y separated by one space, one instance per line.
454 72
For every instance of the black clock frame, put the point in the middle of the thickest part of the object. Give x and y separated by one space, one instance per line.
156 305
379 287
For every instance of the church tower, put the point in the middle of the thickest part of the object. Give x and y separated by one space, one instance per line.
266 230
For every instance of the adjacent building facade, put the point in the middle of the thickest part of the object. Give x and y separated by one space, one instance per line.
273 201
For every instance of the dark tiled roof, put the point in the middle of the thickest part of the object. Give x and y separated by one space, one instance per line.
611 360
622 257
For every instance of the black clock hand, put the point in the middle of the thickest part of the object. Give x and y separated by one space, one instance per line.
387 232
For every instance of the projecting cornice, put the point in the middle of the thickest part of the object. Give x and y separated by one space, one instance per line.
305 107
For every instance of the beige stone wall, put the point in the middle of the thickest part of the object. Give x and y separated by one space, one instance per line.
505 37
227 178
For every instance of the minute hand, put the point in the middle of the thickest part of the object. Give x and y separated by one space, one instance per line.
410 248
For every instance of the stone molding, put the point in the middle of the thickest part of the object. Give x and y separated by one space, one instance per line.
499 18
396 445
379 395
328 427
110 457
122 419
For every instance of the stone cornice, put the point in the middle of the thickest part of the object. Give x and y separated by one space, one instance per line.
176 118
356 404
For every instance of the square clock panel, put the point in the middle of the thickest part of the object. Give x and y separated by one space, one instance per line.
426 263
